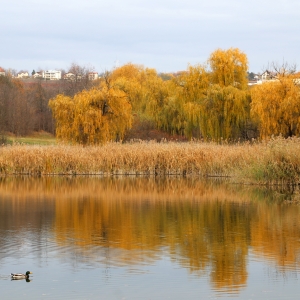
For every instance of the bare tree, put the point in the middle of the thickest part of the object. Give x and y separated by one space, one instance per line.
77 79
282 69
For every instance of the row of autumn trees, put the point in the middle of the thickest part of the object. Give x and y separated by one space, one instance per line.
207 101
211 101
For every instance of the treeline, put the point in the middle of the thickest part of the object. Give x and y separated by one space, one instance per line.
210 101
24 109
24 103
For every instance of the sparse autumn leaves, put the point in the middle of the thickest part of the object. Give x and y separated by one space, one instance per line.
210 101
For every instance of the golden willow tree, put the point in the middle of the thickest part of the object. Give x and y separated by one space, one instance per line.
128 79
229 68
141 85
146 92
163 107
213 98
276 106
224 109
191 90
92 116
103 114
222 114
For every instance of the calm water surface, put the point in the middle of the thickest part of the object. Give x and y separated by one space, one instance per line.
139 238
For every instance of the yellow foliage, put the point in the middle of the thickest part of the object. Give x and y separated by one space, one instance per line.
177 110
92 117
147 93
229 67
195 82
215 111
223 112
276 107
198 103
141 85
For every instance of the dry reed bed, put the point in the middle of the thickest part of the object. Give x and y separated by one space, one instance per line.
273 161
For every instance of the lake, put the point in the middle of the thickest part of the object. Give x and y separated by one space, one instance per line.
147 238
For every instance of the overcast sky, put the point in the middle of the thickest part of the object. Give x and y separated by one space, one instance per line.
162 34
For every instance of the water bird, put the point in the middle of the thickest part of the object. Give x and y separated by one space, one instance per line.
20 275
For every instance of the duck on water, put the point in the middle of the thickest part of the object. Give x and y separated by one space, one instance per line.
16 276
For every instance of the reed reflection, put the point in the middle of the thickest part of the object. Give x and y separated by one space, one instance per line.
207 227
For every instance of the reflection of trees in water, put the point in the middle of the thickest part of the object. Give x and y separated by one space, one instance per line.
199 235
275 233
207 226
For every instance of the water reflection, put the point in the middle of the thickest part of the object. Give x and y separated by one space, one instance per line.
207 227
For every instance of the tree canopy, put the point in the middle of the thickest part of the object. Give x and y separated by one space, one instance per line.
229 67
92 117
210 101
276 106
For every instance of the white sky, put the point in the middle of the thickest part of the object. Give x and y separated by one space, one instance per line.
162 34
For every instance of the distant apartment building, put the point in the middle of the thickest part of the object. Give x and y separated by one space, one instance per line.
93 76
2 72
52 75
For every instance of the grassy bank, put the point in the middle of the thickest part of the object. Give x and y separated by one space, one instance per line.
36 138
275 161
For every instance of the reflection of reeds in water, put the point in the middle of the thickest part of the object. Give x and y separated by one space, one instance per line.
273 161
121 188
205 225
135 188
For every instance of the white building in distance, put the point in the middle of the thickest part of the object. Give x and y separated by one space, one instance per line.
52 75
70 76
39 74
23 74
93 76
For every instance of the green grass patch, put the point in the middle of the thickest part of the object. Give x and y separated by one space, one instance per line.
37 138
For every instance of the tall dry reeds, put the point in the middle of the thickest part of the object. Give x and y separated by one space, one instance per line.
273 161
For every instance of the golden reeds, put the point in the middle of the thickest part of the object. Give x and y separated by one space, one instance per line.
273 161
